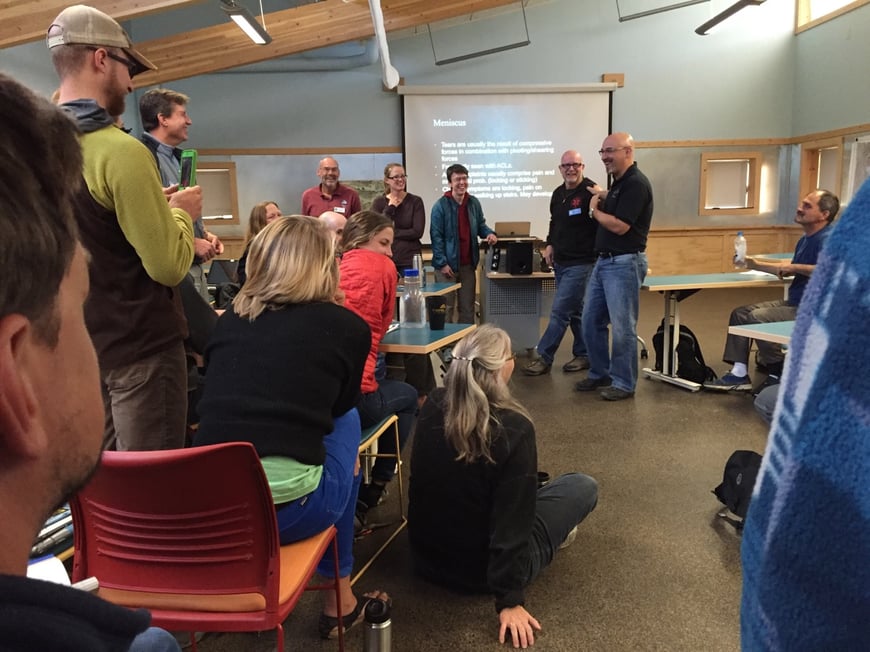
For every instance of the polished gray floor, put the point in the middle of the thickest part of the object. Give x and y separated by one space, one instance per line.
653 567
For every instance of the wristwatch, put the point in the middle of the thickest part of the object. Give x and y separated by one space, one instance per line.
591 213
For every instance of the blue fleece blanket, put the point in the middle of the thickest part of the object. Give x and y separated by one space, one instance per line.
806 544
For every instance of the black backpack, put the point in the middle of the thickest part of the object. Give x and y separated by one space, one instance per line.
738 480
691 365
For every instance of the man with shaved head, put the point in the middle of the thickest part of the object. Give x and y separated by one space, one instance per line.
334 222
623 215
330 195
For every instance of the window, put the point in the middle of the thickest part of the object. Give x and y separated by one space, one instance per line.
220 204
730 183
821 166
814 12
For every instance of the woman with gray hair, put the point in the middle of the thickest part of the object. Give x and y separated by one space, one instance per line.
474 466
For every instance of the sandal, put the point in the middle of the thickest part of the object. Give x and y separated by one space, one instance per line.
327 626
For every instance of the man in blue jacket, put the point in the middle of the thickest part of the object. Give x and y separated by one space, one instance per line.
457 222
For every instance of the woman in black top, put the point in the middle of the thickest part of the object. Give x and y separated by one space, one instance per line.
284 370
474 466
406 211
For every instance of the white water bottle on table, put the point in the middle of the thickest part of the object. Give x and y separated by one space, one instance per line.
740 250
411 306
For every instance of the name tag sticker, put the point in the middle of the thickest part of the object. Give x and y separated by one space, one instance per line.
575 211
339 209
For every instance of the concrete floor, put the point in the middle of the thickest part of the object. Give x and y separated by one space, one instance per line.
653 567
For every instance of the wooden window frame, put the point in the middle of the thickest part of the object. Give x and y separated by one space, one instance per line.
803 11
230 167
753 190
810 165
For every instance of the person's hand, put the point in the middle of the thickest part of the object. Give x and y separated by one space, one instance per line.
203 249
188 200
598 191
393 199
356 467
170 190
447 271
521 625
492 238
548 255
216 242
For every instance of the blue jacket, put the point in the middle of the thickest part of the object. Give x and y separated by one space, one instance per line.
444 231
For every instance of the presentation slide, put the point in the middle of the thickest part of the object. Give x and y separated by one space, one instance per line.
511 144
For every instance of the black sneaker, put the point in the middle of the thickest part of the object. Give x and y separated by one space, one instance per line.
372 495
588 384
768 382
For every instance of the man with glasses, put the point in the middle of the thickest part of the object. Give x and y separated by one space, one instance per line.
457 222
623 216
570 252
330 195
140 244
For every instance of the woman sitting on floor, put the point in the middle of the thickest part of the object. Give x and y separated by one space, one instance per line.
477 520
368 280
284 370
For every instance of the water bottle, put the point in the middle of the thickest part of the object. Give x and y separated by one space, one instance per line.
740 250
412 311
417 263
378 627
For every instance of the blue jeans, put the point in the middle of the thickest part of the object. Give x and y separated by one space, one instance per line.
612 297
154 639
334 500
567 310
391 397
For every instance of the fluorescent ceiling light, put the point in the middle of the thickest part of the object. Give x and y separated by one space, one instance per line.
249 25
730 11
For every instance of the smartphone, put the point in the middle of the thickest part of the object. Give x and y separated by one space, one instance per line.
188 169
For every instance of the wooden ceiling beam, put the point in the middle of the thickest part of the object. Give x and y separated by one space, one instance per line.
23 21
294 30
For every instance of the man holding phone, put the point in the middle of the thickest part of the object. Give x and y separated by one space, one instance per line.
140 244
165 121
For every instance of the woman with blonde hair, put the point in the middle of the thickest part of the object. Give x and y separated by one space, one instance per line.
407 213
284 370
368 280
474 467
262 214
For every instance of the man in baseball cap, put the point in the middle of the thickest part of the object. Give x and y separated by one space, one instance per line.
83 25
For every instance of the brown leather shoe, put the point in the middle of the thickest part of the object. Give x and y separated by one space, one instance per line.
578 363
537 368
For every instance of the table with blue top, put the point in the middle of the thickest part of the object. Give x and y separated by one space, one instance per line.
677 288
432 289
424 341
778 332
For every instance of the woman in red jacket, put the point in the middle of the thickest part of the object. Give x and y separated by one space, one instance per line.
368 279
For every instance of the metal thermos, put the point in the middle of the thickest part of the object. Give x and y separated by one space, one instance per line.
417 263
378 627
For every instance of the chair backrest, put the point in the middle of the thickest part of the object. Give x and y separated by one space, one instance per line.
193 521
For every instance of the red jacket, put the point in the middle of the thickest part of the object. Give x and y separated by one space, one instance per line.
369 281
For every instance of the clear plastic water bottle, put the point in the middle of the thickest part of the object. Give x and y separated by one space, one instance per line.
740 250
412 309
378 627
417 263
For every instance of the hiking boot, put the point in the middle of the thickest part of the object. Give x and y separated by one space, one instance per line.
588 384
615 394
537 368
578 363
730 383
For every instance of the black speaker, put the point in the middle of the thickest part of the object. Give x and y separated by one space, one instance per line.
519 257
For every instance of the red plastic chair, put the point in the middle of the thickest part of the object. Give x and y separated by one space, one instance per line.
191 535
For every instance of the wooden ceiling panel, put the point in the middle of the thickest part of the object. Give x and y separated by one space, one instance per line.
23 21
295 30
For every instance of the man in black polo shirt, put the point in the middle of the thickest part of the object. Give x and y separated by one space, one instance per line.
613 293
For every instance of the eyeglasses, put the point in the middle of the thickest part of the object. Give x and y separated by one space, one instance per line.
397 177
132 67
609 150
569 166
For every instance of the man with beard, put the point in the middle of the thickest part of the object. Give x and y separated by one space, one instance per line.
50 406
330 195
140 246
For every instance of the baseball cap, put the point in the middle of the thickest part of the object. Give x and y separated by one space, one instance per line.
83 25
